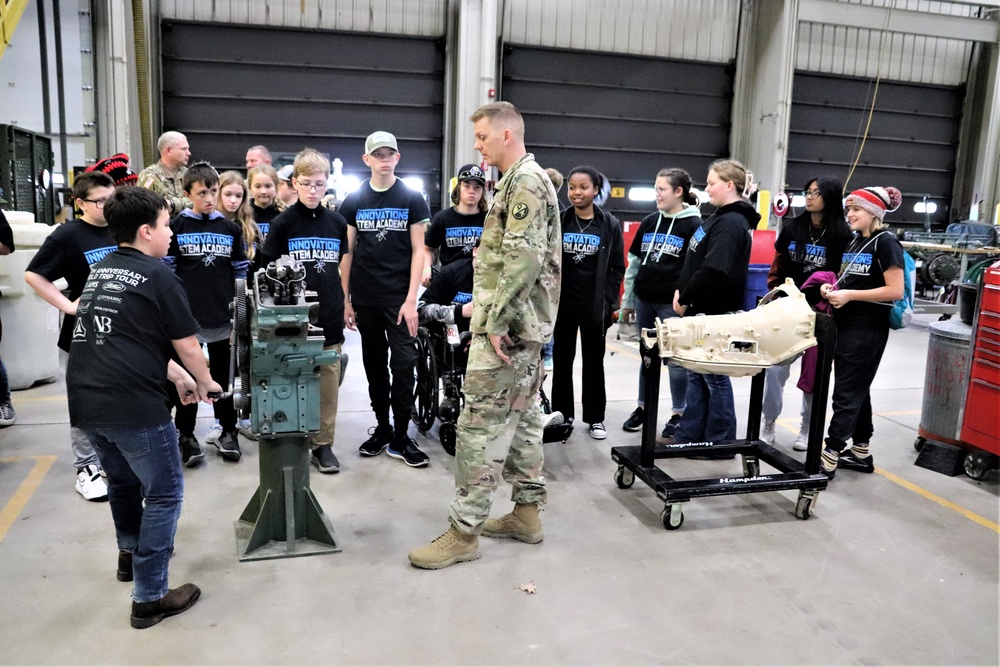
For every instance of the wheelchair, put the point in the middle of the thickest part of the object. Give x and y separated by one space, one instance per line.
437 390
440 370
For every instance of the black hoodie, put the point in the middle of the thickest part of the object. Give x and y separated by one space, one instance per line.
715 270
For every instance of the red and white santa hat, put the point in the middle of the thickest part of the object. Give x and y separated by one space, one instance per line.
876 200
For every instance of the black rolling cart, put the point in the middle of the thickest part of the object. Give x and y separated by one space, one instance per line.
640 461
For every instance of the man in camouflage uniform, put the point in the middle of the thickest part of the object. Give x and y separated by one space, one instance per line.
515 297
166 177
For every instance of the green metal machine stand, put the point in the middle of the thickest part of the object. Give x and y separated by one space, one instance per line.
278 364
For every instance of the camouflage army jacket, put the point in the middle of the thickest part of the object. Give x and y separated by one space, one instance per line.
155 177
519 264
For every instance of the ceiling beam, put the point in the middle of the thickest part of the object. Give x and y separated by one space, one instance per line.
963 28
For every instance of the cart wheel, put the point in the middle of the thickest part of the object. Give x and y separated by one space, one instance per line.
804 506
672 516
624 477
751 466
446 434
977 465
918 444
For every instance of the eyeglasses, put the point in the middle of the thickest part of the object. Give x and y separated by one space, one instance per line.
660 191
99 203
312 186
811 194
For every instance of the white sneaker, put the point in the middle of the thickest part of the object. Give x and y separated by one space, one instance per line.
597 431
7 416
90 484
802 439
767 432
246 430
553 419
214 433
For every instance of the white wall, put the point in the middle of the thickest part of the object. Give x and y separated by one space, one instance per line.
21 80
401 17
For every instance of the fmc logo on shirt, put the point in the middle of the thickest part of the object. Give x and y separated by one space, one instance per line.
97 254
382 220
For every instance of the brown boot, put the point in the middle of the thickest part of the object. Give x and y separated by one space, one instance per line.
522 524
176 601
452 547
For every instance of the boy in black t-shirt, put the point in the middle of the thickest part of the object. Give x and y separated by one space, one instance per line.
317 237
208 255
69 252
381 276
132 317
455 231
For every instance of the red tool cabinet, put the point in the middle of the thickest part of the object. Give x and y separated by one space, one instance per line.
981 419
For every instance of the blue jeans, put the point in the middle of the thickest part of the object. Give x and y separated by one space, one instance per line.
711 411
4 384
143 465
645 316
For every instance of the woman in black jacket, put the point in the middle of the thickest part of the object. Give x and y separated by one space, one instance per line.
592 270
712 282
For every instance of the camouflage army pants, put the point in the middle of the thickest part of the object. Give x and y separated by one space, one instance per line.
501 423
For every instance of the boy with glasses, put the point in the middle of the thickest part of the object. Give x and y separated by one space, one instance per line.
381 276
317 237
69 252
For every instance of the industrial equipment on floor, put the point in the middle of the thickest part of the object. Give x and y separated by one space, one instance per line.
738 344
279 390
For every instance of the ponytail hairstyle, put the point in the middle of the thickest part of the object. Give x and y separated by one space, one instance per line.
732 170
244 214
678 178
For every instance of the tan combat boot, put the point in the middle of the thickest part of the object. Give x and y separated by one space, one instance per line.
452 547
522 524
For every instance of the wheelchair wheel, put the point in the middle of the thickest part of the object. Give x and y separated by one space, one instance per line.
425 388
447 434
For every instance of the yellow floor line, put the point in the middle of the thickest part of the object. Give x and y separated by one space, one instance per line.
35 399
13 508
972 516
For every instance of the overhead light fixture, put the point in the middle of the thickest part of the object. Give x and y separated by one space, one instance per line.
642 194
798 201
927 207
348 184
414 183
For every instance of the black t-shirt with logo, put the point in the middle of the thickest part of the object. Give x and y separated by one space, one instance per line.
581 245
661 244
318 238
808 250
380 268
131 309
864 265
208 254
456 234
69 252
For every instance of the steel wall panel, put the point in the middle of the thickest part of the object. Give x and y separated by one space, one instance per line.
628 116
352 85
690 29
426 18
911 142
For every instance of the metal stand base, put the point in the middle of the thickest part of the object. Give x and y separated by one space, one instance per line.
283 518
640 462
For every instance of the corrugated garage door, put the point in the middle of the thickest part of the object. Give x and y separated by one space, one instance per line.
911 143
228 87
628 116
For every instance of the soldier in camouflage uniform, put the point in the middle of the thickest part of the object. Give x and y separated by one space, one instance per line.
166 177
515 297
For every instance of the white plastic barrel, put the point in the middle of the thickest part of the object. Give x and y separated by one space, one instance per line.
30 324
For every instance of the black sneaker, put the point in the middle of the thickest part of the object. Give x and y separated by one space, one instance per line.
325 460
849 461
191 454
634 421
381 436
670 428
405 449
229 448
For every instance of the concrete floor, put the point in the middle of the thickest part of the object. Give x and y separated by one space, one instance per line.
892 569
